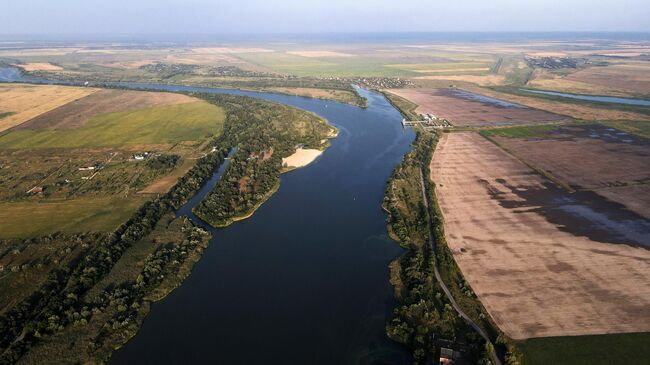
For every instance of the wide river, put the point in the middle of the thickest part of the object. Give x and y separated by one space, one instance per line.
305 279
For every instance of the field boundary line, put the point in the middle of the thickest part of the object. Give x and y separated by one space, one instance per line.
457 308
539 171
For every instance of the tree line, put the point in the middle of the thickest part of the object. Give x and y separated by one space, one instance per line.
263 133
424 313
56 303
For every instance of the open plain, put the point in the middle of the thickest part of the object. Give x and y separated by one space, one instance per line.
542 261
28 101
468 109
93 157
78 112
613 162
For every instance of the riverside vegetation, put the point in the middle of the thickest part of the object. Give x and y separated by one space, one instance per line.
36 323
77 297
263 133
425 320
424 315
335 89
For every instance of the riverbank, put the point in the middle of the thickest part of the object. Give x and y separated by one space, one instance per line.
154 259
100 297
266 134
335 238
147 272
405 107
332 90
236 277
426 320
301 158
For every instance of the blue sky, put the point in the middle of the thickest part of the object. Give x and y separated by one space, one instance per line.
293 16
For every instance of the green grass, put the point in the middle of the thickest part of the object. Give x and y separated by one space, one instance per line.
406 107
531 131
157 125
168 229
6 114
442 66
639 128
29 218
632 348
515 89
325 67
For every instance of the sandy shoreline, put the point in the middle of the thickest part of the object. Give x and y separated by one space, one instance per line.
302 157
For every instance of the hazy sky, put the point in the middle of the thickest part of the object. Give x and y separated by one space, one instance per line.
291 16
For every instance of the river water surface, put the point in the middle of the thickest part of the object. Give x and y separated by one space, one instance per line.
305 279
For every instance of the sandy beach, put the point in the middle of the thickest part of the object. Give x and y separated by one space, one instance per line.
302 157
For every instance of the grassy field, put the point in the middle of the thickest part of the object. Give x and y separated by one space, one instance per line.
640 128
325 67
625 348
405 107
620 77
52 153
25 102
101 214
529 131
167 124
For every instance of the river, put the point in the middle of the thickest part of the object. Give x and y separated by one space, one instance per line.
305 279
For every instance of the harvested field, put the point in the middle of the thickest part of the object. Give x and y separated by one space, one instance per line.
577 111
543 262
481 80
40 66
72 169
468 109
79 112
30 101
455 71
155 125
633 77
211 50
635 197
589 157
547 81
317 54
37 52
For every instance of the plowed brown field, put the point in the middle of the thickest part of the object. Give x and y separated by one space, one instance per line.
543 262
462 111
